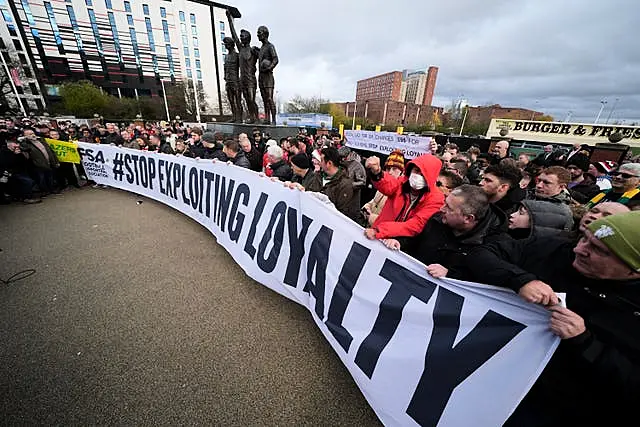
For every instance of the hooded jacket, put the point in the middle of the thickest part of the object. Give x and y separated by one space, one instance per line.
400 216
547 219
241 160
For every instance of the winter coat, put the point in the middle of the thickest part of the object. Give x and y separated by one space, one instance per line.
400 217
208 153
437 244
547 219
592 379
113 138
511 201
545 161
255 159
241 160
281 170
340 191
312 181
563 197
38 159
165 147
586 190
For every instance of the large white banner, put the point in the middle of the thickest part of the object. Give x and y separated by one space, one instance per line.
385 142
423 351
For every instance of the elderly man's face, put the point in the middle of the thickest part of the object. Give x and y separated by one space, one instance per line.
594 260
624 179
600 211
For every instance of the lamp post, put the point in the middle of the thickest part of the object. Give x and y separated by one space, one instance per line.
533 114
464 118
164 94
612 109
566 119
603 102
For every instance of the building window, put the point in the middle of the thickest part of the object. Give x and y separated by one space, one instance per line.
127 7
108 4
195 42
163 12
221 25
34 89
187 62
27 72
186 51
76 29
23 59
165 30
145 9
224 58
185 40
130 20
197 63
192 17
89 2
152 44
6 57
96 33
30 20
17 45
39 104
114 31
196 53
134 43
183 28
199 74
222 36
154 59
181 13
172 70
194 30
189 73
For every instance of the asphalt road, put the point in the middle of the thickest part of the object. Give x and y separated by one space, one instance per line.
135 316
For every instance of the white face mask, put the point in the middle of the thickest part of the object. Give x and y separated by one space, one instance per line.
416 181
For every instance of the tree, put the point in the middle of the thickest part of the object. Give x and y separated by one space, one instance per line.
543 118
300 105
83 99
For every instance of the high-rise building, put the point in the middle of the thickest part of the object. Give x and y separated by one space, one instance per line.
130 48
385 87
412 87
430 86
415 83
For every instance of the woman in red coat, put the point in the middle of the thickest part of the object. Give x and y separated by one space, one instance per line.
412 198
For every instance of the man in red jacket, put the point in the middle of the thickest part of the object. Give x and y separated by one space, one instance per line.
412 198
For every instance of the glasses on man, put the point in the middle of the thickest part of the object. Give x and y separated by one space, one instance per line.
624 175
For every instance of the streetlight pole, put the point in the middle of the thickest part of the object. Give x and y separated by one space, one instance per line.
603 102
195 94
164 94
533 114
464 118
612 109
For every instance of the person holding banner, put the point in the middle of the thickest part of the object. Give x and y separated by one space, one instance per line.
593 379
412 198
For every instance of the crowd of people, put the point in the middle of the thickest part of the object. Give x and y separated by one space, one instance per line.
556 223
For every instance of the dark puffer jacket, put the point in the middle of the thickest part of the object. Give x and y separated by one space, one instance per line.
547 219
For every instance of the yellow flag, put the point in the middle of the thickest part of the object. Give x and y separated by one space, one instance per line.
400 130
341 130
65 151
358 127
378 128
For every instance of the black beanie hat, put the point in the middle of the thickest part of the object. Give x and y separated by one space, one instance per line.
580 161
301 160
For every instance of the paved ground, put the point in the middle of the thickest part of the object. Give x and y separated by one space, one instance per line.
135 316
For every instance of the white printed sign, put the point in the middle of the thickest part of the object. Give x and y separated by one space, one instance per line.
385 142
423 351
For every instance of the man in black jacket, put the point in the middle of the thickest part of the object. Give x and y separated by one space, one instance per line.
210 148
594 376
113 135
466 220
501 183
250 152
235 154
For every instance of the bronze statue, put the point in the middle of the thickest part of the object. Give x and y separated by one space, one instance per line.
232 79
247 63
267 59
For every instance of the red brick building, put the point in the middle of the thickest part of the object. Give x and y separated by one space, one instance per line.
393 113
430 88
485 114
383 87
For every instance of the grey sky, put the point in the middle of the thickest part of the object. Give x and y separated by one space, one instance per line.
554 56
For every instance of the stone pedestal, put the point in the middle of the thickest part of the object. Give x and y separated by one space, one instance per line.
233 129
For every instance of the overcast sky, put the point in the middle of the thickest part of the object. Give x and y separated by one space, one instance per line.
552 56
